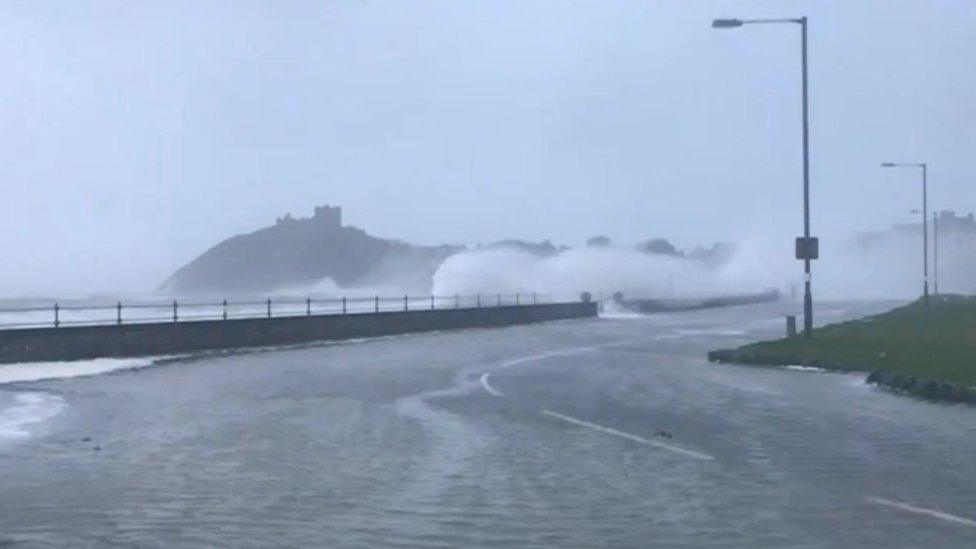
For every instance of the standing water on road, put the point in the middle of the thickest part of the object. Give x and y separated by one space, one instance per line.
603 432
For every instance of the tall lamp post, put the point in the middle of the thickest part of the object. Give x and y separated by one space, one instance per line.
807 248
935 249
925 220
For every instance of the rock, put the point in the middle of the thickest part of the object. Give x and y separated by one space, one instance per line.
923 387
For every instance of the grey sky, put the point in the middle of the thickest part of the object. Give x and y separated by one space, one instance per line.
137 134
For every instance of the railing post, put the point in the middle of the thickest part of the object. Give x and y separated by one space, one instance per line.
432 302
175 315
269 307
499 303
535 301
478 300
343 305
516 298
376 301
118 313
457 301
308 306
405 305
224 303
57 315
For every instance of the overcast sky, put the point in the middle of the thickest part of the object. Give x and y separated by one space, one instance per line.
137 134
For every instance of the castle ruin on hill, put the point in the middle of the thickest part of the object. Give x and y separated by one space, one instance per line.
326 216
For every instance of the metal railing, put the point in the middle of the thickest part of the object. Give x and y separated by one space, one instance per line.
143 312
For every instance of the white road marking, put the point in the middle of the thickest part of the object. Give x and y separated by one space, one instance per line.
628 436
922 511
483 380
563 352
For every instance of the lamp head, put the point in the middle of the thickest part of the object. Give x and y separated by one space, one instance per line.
726 23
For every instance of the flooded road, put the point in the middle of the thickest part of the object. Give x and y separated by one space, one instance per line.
604 432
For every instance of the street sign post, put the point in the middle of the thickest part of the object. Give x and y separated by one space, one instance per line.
807 248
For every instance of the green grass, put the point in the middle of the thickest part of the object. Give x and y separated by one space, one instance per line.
936 341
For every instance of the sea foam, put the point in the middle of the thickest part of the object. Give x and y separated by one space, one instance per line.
28 408
39 371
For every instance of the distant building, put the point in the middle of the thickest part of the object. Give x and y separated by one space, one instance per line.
327 216
949 222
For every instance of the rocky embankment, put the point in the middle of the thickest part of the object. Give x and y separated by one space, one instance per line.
924 387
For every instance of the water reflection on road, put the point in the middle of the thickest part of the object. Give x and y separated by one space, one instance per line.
603 432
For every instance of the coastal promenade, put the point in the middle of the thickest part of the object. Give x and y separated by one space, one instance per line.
96 338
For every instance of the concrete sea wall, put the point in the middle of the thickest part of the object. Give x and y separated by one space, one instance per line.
83 342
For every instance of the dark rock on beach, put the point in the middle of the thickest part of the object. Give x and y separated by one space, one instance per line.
923 387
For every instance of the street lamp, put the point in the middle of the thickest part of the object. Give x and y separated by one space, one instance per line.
935 249
726 23
807 248
925 220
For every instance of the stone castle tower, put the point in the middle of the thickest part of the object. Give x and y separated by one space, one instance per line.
328 215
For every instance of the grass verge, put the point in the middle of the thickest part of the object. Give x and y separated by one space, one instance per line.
935 341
